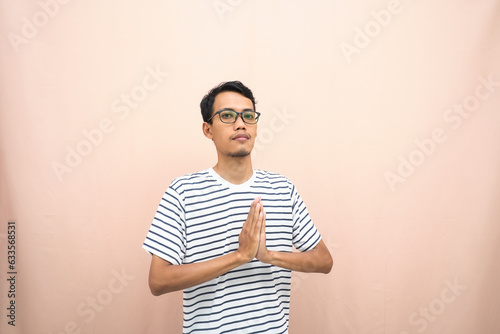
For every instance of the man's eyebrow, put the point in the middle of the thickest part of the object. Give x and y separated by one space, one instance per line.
231 109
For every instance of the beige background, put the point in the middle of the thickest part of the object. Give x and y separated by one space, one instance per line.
379 111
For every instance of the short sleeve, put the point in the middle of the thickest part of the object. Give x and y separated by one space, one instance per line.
166 237
305 235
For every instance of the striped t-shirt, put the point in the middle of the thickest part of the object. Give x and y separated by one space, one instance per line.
200 218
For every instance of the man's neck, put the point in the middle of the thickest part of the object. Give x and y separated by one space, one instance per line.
235 170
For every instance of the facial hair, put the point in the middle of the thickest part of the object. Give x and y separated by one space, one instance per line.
240 154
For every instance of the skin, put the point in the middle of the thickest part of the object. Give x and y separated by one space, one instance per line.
235 165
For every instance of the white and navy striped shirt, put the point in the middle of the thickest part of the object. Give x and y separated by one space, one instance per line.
200 218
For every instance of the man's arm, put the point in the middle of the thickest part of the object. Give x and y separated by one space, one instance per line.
165 277
316 260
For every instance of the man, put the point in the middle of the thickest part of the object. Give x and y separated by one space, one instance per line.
224 235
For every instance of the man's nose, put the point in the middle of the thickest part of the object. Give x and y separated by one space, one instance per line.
239 124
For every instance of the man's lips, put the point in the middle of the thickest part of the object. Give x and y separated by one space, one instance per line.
241 137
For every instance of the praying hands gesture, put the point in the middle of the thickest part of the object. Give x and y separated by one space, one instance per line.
165 277
252 239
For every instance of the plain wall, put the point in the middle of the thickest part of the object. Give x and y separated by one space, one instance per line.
385 115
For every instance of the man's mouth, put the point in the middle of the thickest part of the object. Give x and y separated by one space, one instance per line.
241 137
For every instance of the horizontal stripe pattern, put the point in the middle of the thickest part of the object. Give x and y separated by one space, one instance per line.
200 218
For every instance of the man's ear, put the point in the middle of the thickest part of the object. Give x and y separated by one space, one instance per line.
207 130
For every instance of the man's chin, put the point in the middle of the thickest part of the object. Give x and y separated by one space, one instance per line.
240 154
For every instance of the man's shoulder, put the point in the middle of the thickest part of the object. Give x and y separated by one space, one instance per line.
271 177
191 179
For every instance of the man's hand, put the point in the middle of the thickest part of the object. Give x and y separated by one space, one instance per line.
250 233
262 253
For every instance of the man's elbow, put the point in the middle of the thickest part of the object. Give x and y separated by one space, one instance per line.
158 289
155 289
329 265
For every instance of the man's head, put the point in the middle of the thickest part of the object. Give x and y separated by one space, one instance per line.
207 103
230 119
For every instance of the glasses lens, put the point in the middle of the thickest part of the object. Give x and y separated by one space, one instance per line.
250 117
228 116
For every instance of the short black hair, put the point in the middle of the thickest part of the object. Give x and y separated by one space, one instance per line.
207 103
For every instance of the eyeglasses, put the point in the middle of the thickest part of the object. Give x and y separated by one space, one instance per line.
230 116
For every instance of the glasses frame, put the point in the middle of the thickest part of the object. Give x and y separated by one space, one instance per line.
238 114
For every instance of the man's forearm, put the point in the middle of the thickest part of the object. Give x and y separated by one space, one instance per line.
165 277
317 260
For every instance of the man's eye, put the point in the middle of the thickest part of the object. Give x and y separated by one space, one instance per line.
227 115
249 115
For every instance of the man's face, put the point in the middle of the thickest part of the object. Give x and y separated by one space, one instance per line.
237 139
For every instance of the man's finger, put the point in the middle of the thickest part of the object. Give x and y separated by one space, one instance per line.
251 212
255 218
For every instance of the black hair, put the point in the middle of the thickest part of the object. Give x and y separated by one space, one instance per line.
207 103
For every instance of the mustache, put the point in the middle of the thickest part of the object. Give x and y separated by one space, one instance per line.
246 135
